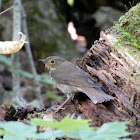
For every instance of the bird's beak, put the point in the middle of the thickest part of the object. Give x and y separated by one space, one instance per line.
42 60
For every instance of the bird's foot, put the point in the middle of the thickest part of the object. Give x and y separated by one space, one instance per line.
58 109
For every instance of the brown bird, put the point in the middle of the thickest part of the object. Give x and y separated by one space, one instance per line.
71 79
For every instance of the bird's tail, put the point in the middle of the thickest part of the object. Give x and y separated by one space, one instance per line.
97 95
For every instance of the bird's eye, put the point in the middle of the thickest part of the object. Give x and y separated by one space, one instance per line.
52 61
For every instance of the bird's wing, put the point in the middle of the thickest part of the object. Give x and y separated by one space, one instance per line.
96 95
69 74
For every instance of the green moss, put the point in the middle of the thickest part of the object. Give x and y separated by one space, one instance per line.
128 34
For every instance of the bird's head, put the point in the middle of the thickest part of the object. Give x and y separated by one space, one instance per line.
52 62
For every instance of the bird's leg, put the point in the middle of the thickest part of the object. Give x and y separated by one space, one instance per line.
69 96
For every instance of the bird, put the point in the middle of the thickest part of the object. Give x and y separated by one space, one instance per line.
70 79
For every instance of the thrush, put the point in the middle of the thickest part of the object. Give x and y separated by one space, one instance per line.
70 79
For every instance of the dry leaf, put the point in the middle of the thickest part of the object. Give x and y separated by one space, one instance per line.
9 47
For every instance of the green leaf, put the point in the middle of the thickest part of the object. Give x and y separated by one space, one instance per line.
80 134
67 127
10 137
26 74
108 131
2 132
50 134
67 124
51 95
87 134
42 78
5 60
17 128
70 2
115 129
21 131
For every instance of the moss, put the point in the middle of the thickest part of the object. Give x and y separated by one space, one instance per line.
128 34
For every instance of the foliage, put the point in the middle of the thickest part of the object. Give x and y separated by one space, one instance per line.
5 60
21 131
70 2
51 95
67 127
63 124
42 78
79 128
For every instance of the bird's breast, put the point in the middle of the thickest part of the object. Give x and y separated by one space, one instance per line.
67 89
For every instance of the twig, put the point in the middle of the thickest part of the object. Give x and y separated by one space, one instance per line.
6 9
28 50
